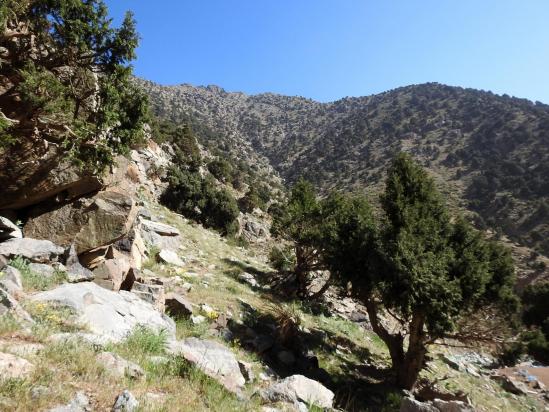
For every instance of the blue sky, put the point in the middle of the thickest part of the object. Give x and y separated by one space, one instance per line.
328 49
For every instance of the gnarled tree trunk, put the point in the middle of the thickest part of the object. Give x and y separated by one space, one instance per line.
406 364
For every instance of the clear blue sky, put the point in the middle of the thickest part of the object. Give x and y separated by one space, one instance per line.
328 49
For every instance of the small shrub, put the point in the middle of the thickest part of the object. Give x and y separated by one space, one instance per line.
282 258
221 169
287 320
146 341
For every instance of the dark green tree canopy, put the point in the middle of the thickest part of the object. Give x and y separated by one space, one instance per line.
427 270
71 72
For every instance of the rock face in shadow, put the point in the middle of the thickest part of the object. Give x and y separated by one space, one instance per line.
88 223
34 172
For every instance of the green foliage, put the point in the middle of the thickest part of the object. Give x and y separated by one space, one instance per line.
426 270
40 90
80 92
536 308
348 238
251 200
35 281
221 169
144 341
299 221
197 198
6 139
282 258
535 314
188 192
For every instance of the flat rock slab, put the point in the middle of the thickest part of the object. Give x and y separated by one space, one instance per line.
214 359
299 388
13 367
160 235
169 256
112 315
160 228
40 251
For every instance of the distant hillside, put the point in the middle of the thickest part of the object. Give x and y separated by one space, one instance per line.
490 152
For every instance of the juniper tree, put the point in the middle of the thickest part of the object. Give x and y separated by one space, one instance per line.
418 265
71 73
299 221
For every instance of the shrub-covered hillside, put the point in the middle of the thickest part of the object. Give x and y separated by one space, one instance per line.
491 151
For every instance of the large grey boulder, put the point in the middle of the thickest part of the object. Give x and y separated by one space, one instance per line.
42 269
8 229
113 315
297 388
214 359
160 235
170 257
88 223
36 250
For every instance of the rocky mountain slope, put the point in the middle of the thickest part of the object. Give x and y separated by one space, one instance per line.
490 153
159 314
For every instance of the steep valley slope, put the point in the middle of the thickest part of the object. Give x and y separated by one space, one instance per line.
489 153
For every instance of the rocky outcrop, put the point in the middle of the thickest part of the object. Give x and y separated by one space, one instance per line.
106 313
170 257
177 306
33 176
154 294
114 274
214 359
88 223
75 271
41 251
160 235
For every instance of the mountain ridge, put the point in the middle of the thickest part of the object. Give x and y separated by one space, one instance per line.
488 151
